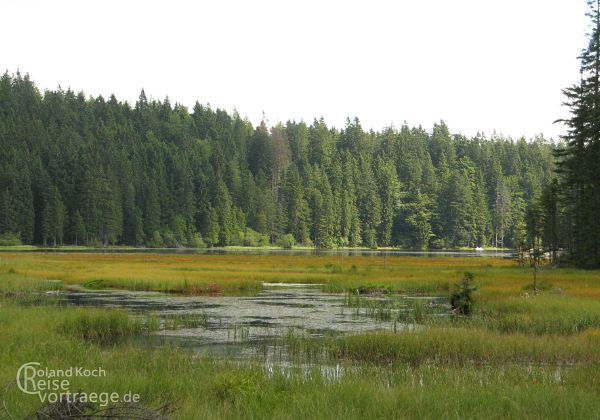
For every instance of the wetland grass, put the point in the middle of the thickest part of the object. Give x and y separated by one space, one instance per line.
516 356
211 388
202 274
463 346
543 314
192 274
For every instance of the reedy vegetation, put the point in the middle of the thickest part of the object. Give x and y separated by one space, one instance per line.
516 356
201 274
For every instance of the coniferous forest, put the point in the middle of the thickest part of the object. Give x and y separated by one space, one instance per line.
577 190
105 313
81 170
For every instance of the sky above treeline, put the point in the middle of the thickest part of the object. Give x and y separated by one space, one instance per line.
479 65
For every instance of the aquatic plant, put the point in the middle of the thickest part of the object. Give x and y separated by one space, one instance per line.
103 326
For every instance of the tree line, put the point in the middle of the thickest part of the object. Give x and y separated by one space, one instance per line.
578 161
566 215
89 170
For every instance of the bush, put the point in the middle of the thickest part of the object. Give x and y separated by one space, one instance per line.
196 241
169 240
10 239
237 238
95 243
287 241
253 238
461 299
307 243
156 241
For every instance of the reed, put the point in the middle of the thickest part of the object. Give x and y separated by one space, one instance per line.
463 346
517 356
105 326
414 386
544 314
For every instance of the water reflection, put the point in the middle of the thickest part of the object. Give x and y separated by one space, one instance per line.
242 326
270 251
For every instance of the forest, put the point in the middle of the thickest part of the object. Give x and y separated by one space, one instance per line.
95 171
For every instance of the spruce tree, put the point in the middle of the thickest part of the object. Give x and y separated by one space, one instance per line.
578 161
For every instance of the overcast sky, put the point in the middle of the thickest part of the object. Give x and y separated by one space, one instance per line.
479 65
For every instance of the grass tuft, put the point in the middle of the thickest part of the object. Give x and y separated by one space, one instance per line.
103 326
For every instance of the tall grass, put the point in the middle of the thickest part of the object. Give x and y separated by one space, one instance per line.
104 326
28 290
516 357
200 274
460 346
207 388
545 314
496 279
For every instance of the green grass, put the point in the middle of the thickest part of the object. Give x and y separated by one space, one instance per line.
518 356
26 289
544 314
104 326
462 346
208 388
201 274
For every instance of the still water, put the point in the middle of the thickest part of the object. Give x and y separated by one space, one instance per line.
276 251
239 326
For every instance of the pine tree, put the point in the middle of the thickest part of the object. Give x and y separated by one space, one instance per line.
578 161
417 215
550 218
158 175
8 216
460 220
111 212
223 208
77 228
389 193
369 205
501 212
481 213
53 218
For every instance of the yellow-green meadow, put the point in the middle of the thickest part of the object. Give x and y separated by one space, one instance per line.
517 355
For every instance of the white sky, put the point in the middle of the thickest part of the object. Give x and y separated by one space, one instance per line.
479 65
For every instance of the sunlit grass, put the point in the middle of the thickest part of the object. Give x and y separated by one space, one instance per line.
468 346
545 314
201 274
424 374
103 326
519 355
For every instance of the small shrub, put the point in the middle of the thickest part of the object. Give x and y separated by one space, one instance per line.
95 243
169 239
157 240
10 239
461 299
287 241
196 241
253 238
